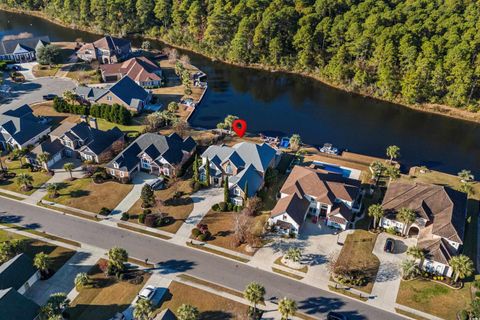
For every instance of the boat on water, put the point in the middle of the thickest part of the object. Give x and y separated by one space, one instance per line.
328 148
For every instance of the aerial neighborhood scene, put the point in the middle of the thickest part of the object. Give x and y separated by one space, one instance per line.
236 159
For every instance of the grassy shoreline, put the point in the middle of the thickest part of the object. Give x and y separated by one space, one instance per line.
443 110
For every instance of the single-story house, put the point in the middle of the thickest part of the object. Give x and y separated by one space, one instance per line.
125 92
152 153
18 273
22 50
81 141
20 128
245 164
439 225
14 306
143 71
316 193
106 50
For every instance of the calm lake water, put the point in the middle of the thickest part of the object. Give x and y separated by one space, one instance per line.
281 104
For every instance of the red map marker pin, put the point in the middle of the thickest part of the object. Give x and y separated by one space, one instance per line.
239 126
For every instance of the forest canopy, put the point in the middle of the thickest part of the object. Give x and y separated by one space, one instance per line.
413 51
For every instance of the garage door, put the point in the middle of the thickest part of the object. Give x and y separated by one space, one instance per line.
55 159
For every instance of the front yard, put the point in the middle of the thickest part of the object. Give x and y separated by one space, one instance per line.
85 73
179 209
222 227
434 298
86 195
211 306
39 178
356 257
105 297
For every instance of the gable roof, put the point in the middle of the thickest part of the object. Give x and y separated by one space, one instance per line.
110 43
90 93
166 314
95 140
48 146
28 44
248 176
129 92
16 271
13 305
139 69
294 205
21 124
442 207
170 148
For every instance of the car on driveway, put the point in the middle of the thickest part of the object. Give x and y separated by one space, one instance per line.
49 96
332 315
156 184
389 245
147 293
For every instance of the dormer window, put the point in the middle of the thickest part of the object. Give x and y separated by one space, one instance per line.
115 165
228 169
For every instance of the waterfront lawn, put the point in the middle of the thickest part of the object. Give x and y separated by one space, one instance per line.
433 298
105 296
39 177
222 227
86 195
179 209
59 255
357 254
211 306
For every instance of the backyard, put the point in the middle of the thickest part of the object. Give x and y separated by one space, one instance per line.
179 209
434 298
356 255
105 297
89 196
211 306
39 177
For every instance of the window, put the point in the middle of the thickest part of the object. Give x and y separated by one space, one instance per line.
121 174
236 191
228 169
115 165
109 98
112 172
285 217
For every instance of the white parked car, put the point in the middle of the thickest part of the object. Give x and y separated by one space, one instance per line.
147 293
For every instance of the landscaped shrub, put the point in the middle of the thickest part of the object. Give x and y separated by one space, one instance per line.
141 218
27 166
237 208
147 211
204 236
463 315
99 177
196 186
105 211
216 207
222 206
151 220
136 280
125 216
230 206
103 265
196 232
391 230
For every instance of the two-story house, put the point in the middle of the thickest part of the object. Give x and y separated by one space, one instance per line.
245 164
106 50
153 153
316 193
440 220
142 70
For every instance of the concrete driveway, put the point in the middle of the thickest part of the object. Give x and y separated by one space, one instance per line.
32 91
26 69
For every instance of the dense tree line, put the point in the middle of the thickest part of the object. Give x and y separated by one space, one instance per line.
413 51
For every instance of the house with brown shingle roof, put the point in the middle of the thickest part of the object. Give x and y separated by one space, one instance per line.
440 220
140 69
106 50
316 193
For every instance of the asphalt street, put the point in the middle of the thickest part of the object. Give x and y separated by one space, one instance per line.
175 258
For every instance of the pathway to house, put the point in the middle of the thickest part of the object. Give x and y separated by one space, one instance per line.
203 200
63 71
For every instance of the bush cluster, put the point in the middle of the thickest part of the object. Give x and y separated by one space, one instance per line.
60 105
226 207
105 211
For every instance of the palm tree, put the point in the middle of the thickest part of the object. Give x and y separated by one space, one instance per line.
467 188
143 310
294 254
254 293
393 173
393 152
42 262
44 158
287 307
410 269
407 216
466 175
25 180
81 280
52 189
69 168
19 154
117 257
376 211
462 266
377 168
56 303
295 141
187 312
416 253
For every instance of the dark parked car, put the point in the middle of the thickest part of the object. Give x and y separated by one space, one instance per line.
49 96
389 245
336 316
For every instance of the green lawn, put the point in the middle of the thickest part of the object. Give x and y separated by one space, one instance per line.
39 178
105 125
434 298
471 230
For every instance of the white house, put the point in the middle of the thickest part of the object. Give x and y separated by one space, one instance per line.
439 225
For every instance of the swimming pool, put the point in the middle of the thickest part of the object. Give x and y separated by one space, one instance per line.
335 169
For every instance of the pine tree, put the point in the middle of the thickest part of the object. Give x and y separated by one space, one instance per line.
207 173
226 194
245 194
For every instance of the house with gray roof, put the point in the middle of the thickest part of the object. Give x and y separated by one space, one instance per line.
18 273
22 50
13 305
20 128
152 153
245 164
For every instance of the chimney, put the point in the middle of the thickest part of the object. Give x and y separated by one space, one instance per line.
93 123
83 119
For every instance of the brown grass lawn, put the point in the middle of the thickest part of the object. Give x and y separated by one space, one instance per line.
179 209
221 225
434 298
45 71
58 255
86 195
106 297
357 253
46 109
211 306
84 73
39 178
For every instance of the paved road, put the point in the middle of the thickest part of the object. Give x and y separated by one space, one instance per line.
183 259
